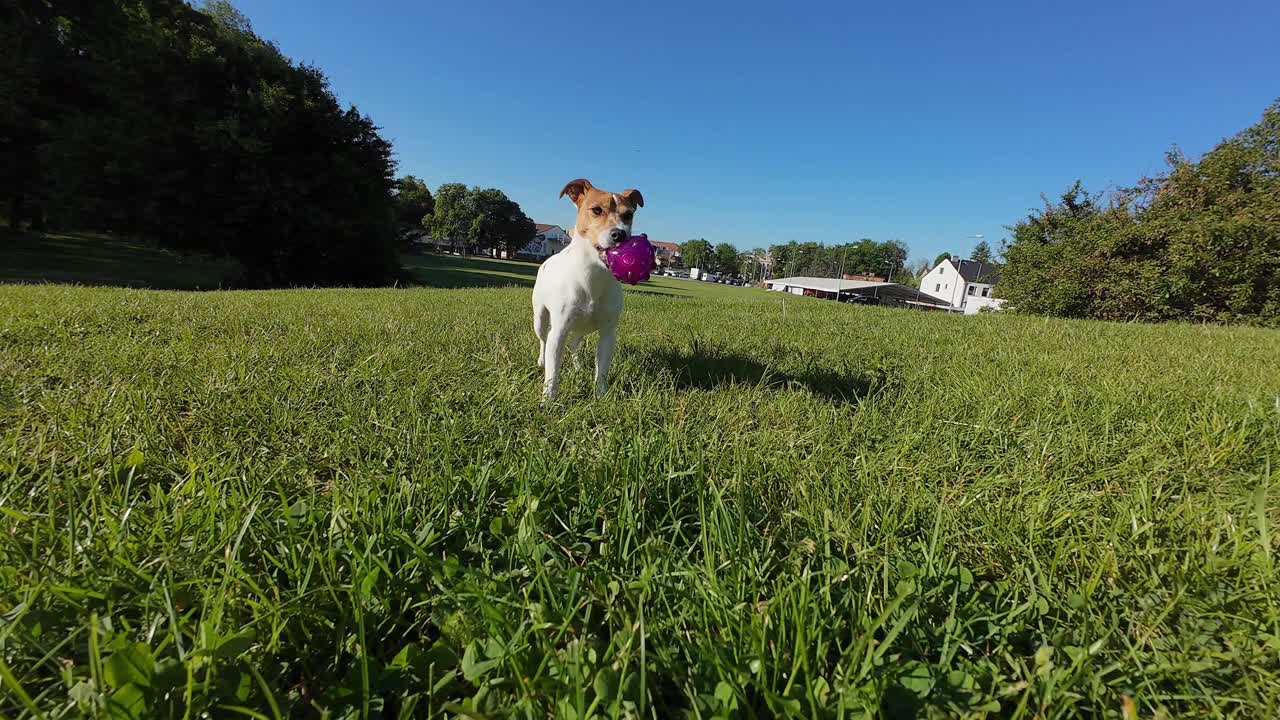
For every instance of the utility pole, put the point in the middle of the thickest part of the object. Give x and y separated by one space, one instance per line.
840 279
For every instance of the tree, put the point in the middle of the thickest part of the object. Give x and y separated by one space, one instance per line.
696 253
413 201
1200 242
753 264
725 259
478 219
981 252
892 257
497 222
157 120
940 258
451 218
810 258
912 272
783 259
1057 256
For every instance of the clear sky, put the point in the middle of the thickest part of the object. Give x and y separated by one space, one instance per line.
925 122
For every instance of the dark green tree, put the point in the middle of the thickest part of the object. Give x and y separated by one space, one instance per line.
450 222
981 252
413 201
497 222
697 254
154 119
782 259
725 259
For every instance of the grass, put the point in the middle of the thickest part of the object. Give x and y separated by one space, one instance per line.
349 503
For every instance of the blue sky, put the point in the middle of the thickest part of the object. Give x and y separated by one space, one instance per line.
819 121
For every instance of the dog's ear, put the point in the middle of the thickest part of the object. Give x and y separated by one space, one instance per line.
633 196
575 189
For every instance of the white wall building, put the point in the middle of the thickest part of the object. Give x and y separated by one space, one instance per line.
547 241
965 285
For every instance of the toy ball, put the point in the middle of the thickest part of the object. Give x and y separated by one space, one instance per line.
632 260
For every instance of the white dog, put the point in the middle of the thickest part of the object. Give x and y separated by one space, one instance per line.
575 293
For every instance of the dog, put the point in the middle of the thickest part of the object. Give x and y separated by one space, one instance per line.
575 293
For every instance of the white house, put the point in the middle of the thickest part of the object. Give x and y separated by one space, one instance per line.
965 285
547 241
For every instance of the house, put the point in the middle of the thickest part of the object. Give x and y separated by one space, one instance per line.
547 241
866 292
965 285
863 276
668 254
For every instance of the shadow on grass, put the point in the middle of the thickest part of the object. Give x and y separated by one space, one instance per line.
100 259
669 295
708 367
458 279
438 270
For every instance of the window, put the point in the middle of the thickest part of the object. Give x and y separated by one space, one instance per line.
937 287
986 292
971 289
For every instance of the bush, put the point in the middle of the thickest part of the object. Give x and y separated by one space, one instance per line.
1199 243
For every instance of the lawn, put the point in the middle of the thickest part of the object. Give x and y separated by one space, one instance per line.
293 503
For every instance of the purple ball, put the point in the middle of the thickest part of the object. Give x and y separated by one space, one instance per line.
632 260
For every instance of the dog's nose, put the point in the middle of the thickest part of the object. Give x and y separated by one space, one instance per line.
617 235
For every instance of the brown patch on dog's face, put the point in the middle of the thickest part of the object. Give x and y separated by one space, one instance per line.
604 218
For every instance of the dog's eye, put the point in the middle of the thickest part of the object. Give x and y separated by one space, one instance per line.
626 217
596 211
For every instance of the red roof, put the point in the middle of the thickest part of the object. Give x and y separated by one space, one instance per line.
540 228
668 246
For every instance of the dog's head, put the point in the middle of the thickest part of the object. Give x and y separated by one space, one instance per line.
604 218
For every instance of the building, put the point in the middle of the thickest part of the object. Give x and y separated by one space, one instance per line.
866 292
965 285
668 254
547 241
862 276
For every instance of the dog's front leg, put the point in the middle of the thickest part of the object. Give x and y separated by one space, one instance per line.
604 357
553 356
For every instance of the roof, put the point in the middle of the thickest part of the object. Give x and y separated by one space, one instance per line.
885 290
539 228
825 284
979 272
668 246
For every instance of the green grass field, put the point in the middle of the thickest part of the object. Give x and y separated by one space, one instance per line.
349 503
